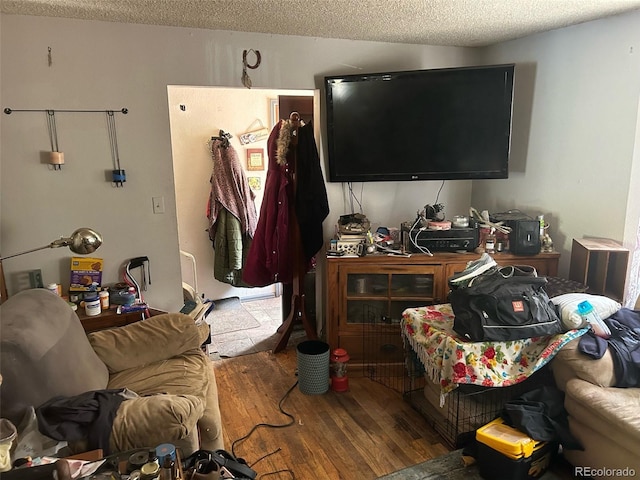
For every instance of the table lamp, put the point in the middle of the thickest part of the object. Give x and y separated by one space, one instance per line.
83 241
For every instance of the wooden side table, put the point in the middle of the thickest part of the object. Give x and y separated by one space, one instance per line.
110 319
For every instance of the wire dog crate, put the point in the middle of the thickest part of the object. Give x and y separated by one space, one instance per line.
388 361
468 407
383 350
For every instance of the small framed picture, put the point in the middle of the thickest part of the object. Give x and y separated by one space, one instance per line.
255 183
255 159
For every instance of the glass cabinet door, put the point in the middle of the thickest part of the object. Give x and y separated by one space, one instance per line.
374 296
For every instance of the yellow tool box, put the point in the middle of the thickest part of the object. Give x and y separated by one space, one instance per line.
506 453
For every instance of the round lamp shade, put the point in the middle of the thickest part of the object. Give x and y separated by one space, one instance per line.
84 241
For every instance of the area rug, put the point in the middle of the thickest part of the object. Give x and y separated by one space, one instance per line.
446 467
228 315
225 304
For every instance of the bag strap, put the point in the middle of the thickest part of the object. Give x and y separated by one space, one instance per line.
237 466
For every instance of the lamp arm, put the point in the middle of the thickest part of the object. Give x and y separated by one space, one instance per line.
25 252
61 242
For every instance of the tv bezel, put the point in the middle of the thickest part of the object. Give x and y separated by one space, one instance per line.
502 173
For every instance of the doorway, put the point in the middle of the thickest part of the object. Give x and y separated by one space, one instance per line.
197 114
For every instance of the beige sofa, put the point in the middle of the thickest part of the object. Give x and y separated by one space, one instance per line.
45 353
605 419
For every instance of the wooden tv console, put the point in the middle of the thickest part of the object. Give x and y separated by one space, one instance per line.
367 295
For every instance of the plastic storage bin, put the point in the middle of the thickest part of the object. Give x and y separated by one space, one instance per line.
505 453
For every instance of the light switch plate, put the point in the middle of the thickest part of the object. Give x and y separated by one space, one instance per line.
158 204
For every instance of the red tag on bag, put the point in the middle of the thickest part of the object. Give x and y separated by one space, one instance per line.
518 306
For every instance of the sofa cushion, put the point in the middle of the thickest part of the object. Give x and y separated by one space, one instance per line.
183 374
569 362
44 353
148 341
154 420
611 411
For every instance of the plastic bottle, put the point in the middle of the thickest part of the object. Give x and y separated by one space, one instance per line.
104 299
490 241
53 288
589 314
92 305
8 434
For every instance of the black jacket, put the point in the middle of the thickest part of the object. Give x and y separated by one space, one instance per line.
624 344
87 416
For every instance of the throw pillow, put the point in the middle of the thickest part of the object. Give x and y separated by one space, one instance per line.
568 308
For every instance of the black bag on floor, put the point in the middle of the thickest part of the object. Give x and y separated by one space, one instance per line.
210 465
500 306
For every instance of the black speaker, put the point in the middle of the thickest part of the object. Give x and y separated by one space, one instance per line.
524 238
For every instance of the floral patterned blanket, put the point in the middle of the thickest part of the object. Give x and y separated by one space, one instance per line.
450 360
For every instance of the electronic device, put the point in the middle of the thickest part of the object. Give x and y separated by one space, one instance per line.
524 238
438 124
452 240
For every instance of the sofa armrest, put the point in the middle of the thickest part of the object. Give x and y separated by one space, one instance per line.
571 363
148 341
156 419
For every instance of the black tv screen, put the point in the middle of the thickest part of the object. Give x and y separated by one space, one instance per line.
440 124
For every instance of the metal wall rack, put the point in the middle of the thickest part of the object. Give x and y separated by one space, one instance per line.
118 176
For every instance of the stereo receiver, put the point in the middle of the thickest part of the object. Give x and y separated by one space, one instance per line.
452 240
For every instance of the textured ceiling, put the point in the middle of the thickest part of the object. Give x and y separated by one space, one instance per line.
430 22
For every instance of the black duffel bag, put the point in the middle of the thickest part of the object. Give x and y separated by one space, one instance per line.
499 306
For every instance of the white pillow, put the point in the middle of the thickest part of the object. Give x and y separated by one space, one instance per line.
568 307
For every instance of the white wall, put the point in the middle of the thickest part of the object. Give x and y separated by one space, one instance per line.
572 148
102 65
575 128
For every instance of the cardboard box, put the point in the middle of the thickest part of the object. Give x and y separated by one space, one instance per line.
85 271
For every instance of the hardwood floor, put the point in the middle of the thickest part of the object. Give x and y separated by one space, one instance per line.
361 434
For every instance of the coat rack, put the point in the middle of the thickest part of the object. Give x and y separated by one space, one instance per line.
298 311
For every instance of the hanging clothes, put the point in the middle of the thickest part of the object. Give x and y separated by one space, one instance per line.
271 255
232 214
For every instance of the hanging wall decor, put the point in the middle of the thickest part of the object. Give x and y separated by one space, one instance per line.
118 176
255 159
56 157
256 132
246 80
255 183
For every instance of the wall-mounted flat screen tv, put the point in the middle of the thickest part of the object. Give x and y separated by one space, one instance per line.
439 124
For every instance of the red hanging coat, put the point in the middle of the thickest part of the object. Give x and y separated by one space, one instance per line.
271 255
